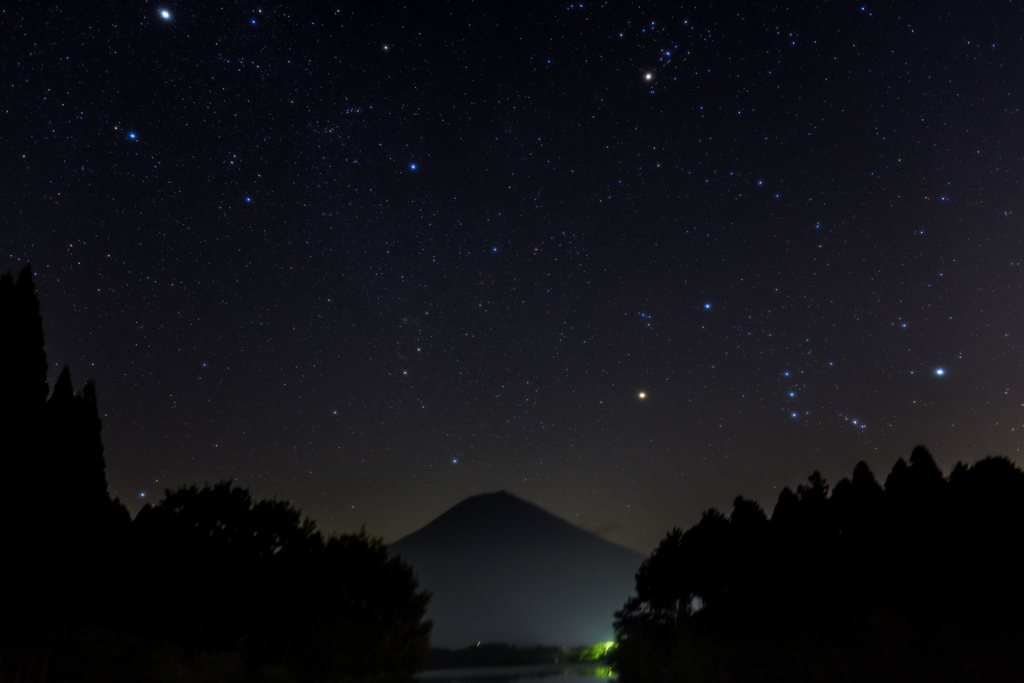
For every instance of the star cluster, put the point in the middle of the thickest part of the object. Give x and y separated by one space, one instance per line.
627 261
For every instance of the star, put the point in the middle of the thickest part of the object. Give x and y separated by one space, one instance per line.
367 251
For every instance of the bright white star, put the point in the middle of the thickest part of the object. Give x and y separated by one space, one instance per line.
165 14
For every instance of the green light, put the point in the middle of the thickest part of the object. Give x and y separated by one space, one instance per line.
594 652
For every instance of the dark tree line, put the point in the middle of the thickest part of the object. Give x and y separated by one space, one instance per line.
915 580
206 585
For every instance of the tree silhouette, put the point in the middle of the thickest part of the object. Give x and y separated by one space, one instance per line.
911 582
56 517
207 584
255 578
23 367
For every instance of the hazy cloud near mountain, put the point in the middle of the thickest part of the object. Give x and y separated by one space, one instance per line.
608 529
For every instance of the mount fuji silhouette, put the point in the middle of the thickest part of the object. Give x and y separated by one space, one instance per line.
505 571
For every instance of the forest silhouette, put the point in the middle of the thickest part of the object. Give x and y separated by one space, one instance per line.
913 580
916 580
206 585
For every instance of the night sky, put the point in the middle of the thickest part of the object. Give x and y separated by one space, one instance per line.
624 260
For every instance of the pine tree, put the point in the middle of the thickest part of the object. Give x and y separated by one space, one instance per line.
22 395
58 526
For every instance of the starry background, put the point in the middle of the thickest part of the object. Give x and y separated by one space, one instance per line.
373 258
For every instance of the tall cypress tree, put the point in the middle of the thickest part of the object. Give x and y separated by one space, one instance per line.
23 390
74 451
26 372
57 522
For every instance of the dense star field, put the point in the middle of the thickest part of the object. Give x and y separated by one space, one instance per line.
625 261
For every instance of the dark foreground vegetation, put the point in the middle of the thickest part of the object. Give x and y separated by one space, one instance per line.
499 654
916 580
206 585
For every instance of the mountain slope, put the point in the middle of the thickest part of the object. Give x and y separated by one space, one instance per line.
504 570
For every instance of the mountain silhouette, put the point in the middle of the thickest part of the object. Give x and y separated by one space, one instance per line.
506 571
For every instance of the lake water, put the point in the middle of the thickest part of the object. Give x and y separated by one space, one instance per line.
540 673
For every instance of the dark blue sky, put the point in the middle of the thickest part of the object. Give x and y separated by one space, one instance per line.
374 258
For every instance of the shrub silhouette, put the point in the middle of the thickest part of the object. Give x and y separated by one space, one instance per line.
207 584
912 581
254 578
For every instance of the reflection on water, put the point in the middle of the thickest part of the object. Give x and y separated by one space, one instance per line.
549 673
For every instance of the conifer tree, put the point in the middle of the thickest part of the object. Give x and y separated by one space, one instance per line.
247 584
